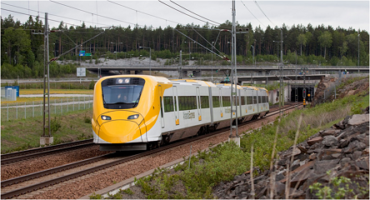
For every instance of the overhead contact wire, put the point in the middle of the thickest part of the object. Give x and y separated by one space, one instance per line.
264 13
184 13
91 12
194 13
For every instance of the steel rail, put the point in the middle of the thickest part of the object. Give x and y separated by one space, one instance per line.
40 154
31 151
38 186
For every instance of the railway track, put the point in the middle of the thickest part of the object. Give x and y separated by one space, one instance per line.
43 151
53 181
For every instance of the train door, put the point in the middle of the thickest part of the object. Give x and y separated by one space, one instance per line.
175 105
161 105
258 101
199 105
221 103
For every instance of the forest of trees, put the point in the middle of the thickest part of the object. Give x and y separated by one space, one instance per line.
22 52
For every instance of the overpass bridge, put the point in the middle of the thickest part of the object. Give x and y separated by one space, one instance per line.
197 69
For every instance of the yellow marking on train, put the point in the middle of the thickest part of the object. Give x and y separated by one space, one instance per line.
177 121
200 118
222 114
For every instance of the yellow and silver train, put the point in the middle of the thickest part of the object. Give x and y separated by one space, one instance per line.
138 112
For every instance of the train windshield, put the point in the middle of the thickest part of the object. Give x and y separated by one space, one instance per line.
121 93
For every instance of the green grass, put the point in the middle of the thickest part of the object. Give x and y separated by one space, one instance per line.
23 134
223 162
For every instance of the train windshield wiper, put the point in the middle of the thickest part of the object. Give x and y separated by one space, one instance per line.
120 102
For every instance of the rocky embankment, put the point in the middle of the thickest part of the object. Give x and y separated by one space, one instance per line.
351 88
340 151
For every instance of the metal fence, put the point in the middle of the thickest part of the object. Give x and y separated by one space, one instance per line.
12 111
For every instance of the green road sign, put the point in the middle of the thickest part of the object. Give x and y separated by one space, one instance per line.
87 54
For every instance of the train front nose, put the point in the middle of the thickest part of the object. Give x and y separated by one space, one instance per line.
120 130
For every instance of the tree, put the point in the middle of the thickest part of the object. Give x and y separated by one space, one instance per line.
343 49
325 40
301 39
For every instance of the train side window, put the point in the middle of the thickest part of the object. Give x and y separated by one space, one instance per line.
243 100
216 101
204 101
160 106
168 104
226 101
187 103
249 100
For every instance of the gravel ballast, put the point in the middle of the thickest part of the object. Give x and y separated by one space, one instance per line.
46 162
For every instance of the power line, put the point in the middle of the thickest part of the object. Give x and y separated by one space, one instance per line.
184 13
53 14
37 16
194 13
251 13
91 12
143 12
264 13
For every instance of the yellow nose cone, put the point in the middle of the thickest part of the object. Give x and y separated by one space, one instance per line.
119 131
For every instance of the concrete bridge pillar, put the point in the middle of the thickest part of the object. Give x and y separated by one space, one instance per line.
197 73
182 74
138 71
125 71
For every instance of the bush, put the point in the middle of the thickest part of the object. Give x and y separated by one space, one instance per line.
55 125
91 86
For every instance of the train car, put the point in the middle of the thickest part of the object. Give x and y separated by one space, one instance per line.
139 112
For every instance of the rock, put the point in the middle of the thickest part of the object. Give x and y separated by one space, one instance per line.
314 140
356 145
279 177
366 151
329 132
322 167
312 156
344 161
326 154
356 155
343 143
280 188
330 141
336 155
362 164
298 194
358 119
295 165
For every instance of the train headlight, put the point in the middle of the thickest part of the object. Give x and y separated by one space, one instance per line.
104 117
133 117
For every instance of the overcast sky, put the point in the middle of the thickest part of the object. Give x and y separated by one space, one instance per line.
346 14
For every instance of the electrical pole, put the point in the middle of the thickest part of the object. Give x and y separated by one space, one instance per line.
358 48
180 74
281 95
234 94
46 136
